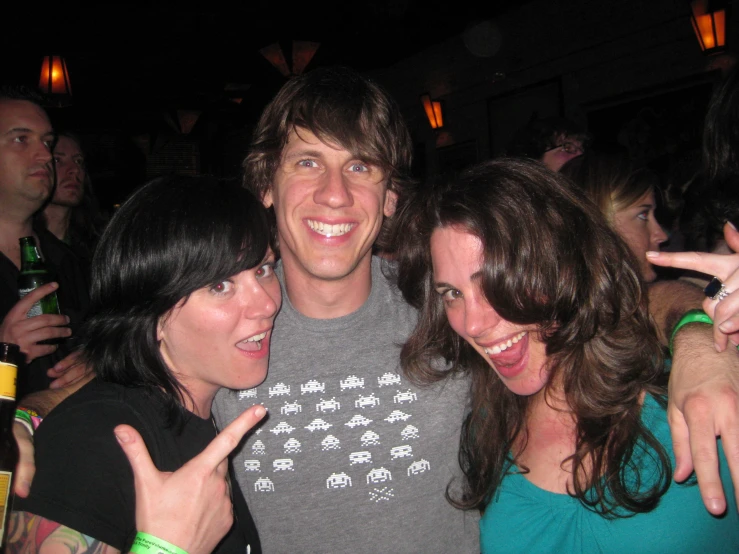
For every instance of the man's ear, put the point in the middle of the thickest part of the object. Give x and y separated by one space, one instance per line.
391 202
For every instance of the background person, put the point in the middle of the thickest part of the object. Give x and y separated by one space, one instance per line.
625 195
73 214
552 140
567 446
183 299
26 181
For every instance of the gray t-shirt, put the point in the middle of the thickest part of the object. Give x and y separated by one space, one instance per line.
353 457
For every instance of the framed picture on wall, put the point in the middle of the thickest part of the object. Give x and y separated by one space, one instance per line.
510 111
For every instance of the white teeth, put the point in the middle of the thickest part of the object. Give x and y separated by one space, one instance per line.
256 338
328 230
498 348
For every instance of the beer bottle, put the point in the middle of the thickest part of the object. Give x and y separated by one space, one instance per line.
9 354
34 274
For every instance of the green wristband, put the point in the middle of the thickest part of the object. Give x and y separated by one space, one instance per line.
23 415
691 316
144 543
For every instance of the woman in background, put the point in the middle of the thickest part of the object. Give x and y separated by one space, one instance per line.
626 197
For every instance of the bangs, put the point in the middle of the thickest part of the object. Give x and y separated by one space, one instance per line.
221 236
174 236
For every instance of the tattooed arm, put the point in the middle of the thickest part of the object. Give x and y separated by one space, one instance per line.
32 534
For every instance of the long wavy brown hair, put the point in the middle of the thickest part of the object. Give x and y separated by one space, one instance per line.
549 259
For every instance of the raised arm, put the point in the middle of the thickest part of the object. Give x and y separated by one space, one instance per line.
668 301
725 313
704 382
704 404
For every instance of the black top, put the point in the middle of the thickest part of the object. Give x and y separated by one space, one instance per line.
72 274
83 479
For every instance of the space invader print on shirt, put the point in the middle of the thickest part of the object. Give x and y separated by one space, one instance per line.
352 456
363 426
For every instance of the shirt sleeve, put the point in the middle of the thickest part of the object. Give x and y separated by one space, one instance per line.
83 479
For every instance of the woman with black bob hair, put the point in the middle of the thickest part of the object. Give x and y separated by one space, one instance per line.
182 304
525 288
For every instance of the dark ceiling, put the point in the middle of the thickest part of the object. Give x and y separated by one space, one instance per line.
127 63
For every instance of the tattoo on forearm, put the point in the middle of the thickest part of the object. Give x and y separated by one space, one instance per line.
32 534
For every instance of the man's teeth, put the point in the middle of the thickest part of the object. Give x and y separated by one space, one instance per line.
498 348
257 338
330 230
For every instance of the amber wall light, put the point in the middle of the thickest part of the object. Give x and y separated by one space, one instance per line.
433 111
55 76
709 23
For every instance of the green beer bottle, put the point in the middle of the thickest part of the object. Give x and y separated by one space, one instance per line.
34 274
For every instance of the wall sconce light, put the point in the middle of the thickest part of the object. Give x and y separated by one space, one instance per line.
433 111
709 23
54 81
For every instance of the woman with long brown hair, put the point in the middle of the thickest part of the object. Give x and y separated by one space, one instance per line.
524 287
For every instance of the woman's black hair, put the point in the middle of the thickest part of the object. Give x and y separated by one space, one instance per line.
173 236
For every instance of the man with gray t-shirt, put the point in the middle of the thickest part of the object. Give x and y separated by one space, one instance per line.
353 457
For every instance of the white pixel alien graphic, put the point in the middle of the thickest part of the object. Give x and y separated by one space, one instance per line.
328 405
249 393
409 432
352 382
382 493
292 446
407 396
397 415
282 427
330 443
264 484
404 451
338 481
252 465
312 386
358 420
388 379
364 401
370 438
291 408
419 466
317 424
257 448
363 457
280 389
379 475
283 464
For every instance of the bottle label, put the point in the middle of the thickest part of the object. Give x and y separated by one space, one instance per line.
6 478
8 376
49 304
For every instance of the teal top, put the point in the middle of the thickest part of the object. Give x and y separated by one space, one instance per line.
524 518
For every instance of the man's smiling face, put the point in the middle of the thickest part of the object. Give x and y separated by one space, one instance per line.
329 206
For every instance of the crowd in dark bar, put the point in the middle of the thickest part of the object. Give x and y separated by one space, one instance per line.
343 346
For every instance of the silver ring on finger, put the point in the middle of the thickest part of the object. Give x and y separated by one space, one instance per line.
716 290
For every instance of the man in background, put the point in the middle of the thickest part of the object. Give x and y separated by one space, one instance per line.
26 181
